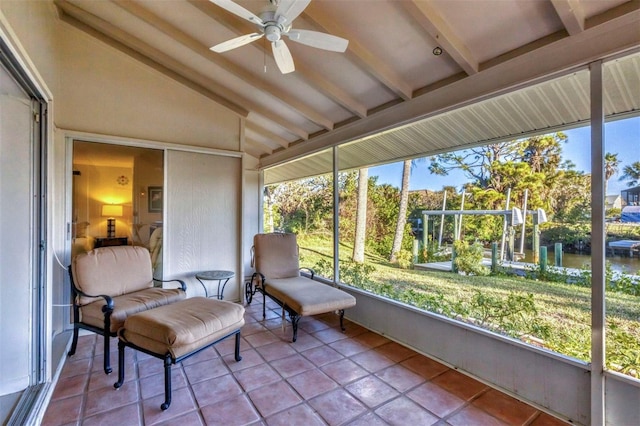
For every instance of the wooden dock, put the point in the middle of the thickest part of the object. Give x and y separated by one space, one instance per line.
626 246
519 268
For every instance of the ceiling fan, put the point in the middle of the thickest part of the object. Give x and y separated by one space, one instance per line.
274 24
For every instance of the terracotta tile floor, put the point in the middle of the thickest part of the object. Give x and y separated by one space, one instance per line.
326 377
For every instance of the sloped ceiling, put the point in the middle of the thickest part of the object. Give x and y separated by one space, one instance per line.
387 78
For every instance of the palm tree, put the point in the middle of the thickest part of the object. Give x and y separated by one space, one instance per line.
402 213
361 216
611 164
631 172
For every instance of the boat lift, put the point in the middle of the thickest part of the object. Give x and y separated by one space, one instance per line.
512 218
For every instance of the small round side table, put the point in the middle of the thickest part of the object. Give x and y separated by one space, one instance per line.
222 277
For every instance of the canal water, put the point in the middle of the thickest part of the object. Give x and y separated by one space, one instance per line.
623 264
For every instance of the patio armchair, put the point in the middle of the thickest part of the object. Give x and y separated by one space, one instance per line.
108 285
277 275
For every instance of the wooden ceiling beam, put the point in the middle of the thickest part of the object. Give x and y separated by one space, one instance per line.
433 23
168 66
372 64
313 78
247 77
571 14
255 128
609 35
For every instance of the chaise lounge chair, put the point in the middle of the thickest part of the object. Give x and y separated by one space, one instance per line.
277 275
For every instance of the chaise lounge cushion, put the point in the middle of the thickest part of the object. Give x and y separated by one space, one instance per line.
308 297
183 327
276 255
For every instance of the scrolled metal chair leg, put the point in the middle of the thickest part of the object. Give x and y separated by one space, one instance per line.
106 356
294 322
120 381
237 350
74 342
342 320
167 382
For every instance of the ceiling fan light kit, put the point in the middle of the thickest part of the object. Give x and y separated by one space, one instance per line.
275 24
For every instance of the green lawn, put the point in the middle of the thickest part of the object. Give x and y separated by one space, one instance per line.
560 319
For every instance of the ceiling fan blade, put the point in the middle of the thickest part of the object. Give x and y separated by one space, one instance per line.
236 42
318 40
283 57
236 9
288 10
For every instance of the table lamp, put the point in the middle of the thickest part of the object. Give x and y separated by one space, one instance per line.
111 211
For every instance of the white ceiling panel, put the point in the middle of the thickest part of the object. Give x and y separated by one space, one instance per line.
388 77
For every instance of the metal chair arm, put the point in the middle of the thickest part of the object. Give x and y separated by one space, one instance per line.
183 286
311 271
108 300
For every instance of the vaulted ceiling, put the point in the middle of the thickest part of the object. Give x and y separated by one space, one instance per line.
388 76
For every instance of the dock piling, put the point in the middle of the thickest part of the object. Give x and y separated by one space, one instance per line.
557 251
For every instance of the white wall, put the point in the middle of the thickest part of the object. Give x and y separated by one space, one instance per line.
98 89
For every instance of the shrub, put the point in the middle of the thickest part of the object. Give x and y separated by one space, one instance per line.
469 258
514 315
352 273
568 234
404 259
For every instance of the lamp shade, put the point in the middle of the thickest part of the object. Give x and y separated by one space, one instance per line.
111 210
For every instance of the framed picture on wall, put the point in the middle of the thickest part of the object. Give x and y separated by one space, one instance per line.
155 199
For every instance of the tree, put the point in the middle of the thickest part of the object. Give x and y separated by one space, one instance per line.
611 164
361 216
476 163
402 213
571 197
268 208
530 164
304 204
631 173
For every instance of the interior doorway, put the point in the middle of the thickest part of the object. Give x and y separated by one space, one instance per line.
117 198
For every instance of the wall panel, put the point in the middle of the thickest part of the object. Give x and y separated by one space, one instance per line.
202 218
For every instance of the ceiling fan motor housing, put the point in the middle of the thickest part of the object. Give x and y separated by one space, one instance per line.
272 32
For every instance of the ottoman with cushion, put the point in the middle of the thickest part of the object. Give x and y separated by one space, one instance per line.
177 331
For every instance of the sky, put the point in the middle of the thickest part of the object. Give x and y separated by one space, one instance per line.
622 137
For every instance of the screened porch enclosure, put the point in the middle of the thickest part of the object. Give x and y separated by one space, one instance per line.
566 385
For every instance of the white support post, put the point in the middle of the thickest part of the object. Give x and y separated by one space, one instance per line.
444 207
597 248
524 221
504 225
460 217
336 219
261 202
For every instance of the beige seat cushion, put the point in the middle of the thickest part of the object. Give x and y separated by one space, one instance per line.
112 271
308 297
183 327
129 304
276 255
